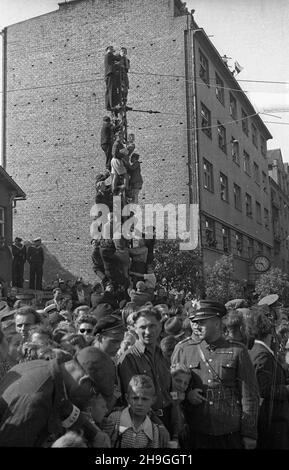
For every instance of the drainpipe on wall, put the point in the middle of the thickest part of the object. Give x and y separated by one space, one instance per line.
4 96
192 132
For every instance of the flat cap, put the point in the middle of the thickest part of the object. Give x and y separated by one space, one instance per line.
206 309
269 299
109 323
100 368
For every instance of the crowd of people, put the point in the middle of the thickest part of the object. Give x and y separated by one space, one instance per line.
112 372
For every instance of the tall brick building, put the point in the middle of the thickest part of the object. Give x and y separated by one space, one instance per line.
53 105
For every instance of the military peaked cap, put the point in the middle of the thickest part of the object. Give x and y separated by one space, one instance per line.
206 309
269 300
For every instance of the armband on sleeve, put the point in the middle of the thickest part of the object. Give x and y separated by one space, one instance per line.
72 418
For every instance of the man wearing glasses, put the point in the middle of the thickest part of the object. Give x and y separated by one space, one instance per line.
85 324
43 398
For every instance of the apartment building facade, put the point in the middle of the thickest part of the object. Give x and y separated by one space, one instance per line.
279 189
232 139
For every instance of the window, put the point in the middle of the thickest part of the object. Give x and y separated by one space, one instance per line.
277 247
245 125
239 243
248 201
220 89
258 213
264 181
256 173
247 163
254 136
226 239
237 197
206 120
210 238
266 218
260 247
235 151
204 68
224 187
250 247
233 106
263 146
222 137
2 222
208 176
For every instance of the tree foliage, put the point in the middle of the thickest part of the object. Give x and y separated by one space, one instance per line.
219 280
273 281
180 269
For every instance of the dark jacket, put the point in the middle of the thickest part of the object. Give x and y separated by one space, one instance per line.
138 360
106 133
109 63
273 425
136 180
35 255
105 197
30 395
19 254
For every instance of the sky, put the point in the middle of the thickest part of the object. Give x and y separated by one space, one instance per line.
253 32
256 34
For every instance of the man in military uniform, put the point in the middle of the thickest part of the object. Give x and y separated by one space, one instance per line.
221 406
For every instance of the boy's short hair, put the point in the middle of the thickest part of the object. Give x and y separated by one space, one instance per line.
175 368
141 381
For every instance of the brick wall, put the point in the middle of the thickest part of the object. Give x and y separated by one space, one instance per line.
55 105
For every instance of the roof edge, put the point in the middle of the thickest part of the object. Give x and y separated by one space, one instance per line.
20 194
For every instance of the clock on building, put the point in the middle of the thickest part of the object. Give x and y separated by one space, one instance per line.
261 263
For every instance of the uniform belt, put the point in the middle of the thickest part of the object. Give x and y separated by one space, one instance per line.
221 393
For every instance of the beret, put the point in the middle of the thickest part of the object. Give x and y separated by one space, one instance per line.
100 368
109 323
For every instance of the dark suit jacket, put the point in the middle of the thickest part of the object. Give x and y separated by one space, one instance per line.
266 366
109 60
106 134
